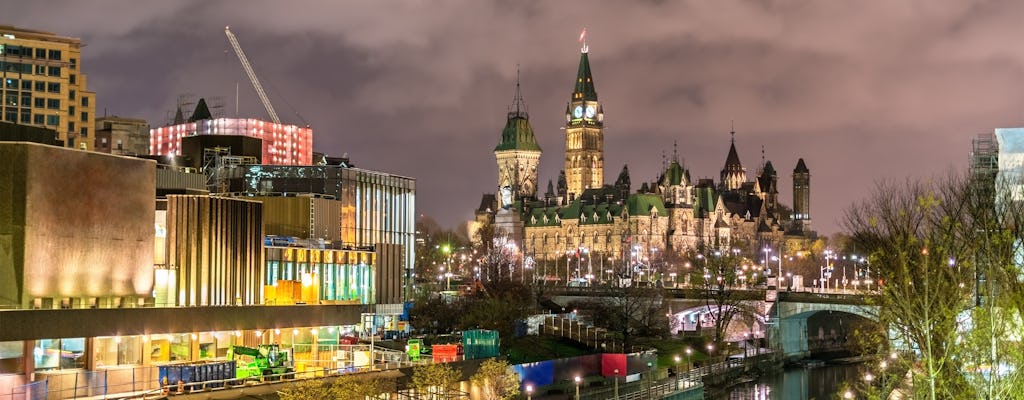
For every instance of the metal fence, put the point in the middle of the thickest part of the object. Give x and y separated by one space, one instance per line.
31 391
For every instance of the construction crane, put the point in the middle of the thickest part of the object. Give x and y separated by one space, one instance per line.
252 75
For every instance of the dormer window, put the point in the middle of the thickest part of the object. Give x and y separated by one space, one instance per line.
583 218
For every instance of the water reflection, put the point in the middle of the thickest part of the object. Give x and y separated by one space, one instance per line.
796 383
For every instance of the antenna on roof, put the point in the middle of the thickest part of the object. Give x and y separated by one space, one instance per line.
675 150
518 101
732 131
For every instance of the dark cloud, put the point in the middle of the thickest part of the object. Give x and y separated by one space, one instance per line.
860 90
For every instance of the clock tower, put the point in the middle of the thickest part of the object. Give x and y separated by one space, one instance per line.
584 134
517 155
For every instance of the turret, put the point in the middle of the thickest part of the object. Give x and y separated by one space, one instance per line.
801 197
518 153
733 174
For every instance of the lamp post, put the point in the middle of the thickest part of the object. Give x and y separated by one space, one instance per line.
678 371
616 384
578 380
650 379
688 352
529 392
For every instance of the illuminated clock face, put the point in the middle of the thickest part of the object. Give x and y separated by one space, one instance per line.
590 112
578 112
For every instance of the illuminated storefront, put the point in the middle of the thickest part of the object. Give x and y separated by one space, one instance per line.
322 275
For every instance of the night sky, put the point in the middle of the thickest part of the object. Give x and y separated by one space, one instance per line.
862 90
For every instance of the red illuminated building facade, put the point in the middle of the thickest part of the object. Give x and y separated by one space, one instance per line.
283 144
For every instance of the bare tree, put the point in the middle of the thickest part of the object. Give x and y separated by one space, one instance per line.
912 230
716 273
629 312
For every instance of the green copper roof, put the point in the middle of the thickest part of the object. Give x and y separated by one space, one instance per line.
584 82
707 198
641 204
518 134
768 169
674 174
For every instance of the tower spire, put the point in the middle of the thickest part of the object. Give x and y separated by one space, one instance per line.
517 102
732 131
762 157
675 150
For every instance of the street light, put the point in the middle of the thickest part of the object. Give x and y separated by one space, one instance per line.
577 379
529 392
616 384
678 371
688 352
650 379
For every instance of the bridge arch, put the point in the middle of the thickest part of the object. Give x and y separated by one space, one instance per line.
806 328
746 323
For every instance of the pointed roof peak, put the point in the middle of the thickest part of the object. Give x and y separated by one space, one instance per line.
518 134
202 111
733 159
584 89
801 167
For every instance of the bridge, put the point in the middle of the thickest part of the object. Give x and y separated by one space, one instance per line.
800 323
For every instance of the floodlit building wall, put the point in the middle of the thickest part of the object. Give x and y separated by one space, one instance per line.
75 233
214 253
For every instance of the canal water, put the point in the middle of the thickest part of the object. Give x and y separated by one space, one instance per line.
820 383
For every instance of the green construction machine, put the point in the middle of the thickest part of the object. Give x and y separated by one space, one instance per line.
267 360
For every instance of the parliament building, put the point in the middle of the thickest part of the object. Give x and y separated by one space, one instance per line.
608 226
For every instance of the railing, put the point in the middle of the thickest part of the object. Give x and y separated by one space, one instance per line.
31 391
597 338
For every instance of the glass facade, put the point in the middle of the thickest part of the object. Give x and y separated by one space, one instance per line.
12 357
52 354
319 275
376 207
118 350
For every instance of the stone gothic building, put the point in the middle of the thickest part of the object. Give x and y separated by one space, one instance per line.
609 226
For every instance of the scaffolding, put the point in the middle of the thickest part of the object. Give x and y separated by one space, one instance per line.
217 161
984 155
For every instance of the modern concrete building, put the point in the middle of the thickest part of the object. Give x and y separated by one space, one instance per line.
337 205
43 84
124 136
101 282
75 242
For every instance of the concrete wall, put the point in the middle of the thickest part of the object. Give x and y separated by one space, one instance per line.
74 224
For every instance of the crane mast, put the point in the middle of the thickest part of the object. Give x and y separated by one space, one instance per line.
252 75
